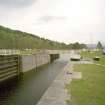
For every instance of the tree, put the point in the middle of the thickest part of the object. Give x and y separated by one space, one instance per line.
99 45
77 46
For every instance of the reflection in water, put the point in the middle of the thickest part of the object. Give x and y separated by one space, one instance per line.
28 89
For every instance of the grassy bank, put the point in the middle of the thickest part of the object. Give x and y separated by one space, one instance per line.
87 54
91 55
90 90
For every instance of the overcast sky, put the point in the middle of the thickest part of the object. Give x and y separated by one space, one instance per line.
60 20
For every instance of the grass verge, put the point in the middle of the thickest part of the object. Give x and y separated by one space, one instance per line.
91 55
90 90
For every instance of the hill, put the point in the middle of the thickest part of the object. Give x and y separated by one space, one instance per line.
14 39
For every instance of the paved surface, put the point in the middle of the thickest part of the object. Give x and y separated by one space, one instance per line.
57 93
76 75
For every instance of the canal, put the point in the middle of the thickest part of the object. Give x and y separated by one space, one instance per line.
28 89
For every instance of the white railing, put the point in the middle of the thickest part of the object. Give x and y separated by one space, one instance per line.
8 52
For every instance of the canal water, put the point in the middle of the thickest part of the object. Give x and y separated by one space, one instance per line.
28 89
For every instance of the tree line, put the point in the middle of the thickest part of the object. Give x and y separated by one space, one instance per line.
14 39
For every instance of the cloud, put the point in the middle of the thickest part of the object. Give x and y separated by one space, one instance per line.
48 18
16 3
61 20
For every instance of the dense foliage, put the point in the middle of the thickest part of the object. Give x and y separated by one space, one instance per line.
13 39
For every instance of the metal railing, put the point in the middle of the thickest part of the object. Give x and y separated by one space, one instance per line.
9 66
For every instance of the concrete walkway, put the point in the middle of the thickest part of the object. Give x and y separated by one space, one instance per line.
57 94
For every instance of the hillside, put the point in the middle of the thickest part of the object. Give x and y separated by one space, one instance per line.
13 39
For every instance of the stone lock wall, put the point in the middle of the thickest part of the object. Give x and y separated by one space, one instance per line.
29 62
